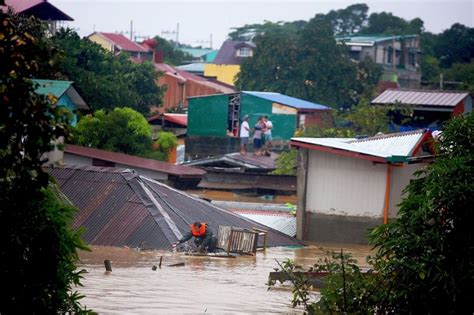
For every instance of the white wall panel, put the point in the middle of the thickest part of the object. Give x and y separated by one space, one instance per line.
345 186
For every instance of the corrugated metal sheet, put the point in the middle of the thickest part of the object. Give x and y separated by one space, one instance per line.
115 209
181 119
41 9
385 146
287 100
135 161
238 180
236 159
370 40
421 98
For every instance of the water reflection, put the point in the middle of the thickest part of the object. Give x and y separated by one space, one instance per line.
202 285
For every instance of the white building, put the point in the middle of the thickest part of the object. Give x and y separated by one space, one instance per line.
346 186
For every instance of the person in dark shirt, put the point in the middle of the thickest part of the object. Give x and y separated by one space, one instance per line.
203 237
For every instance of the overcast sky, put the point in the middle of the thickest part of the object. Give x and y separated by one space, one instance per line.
199 19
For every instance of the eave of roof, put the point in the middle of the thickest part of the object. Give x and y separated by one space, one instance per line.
287 100
122 42
421 98
135 161
45 10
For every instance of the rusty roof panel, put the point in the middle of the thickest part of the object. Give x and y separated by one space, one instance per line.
420 97
115 209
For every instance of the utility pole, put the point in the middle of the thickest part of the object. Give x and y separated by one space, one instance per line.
173 32
210 40
131 29
441 83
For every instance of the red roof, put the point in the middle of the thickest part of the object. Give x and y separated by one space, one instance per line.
181 119
135 161
122 42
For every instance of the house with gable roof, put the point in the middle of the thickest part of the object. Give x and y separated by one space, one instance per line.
118 43
41 9
226 65
346 186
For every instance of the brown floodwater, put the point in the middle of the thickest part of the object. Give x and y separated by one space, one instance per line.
202 285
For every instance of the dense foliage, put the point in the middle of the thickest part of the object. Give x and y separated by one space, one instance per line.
424 260
104 80
38 252
122 130
307 63
171 53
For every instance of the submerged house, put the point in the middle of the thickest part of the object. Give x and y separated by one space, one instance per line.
117 207
430 108
346 186
65 94
212 118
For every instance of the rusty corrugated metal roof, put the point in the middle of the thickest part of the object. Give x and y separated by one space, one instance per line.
135 161
122 42
422 98
119 208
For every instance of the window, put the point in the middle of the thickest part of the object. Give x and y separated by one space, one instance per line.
244 52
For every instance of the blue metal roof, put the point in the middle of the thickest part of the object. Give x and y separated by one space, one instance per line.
287 100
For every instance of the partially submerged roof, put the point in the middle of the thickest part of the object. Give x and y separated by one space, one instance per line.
135 161
421 98
58 89
250 161
370 40
395 147
119 208
227 52
288 100
42 9
122 42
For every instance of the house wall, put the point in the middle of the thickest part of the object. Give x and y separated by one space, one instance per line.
223 73
102 42
173 95
66 101
344 197
207 116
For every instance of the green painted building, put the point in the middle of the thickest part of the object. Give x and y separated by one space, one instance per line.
65 94
212 118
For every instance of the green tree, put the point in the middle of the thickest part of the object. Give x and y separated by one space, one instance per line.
104 80
308 64
348 21
387 23
166 142
455 45
121 130
38 252
171 53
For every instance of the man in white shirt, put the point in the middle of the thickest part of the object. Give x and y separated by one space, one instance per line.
244 135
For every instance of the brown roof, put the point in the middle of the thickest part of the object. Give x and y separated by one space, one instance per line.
135 161
420 97
237 159
119 208
227 53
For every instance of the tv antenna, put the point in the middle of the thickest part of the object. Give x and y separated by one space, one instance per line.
172 32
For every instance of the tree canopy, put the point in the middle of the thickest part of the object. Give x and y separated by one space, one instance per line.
38 252
171 53
308 64
104 80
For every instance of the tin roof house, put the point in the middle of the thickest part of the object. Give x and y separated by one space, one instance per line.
41 9
400 56
430 108
226 64
65 94
118 43
117 207
346 186
211 119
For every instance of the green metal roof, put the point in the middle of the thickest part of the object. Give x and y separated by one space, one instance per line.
370 39
54 87
58 89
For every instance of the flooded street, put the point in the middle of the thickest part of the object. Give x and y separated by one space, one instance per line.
202 285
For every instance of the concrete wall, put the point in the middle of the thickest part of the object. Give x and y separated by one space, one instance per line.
223 73
399 179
